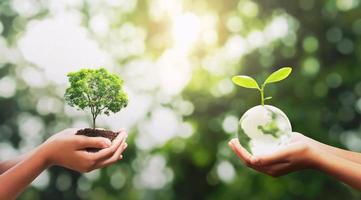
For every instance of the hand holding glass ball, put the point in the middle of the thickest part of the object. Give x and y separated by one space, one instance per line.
263 129
267 144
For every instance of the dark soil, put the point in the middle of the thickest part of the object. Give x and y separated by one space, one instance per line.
97 133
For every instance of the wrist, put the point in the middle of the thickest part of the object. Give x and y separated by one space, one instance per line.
316 157
44 154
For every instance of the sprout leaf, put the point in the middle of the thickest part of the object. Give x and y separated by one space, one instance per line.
245 81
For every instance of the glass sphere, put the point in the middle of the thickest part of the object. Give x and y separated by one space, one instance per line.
264 129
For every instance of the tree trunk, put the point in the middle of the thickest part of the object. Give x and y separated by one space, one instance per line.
94 122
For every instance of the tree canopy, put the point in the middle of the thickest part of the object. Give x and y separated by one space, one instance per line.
98 90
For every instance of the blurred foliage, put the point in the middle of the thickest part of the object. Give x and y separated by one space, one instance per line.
322 97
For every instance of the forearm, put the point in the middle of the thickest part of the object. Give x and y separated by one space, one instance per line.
343 169
17 178
7 164
349 155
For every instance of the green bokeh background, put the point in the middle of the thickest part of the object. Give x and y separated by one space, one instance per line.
322 97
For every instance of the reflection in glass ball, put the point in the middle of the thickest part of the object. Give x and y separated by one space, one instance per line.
264 129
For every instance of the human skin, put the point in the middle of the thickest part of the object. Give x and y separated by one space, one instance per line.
305 153
62 149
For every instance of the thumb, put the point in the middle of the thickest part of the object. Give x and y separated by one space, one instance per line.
93 142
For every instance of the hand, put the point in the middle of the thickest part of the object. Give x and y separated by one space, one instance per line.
299 154
67 149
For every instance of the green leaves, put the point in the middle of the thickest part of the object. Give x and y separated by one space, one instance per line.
248 82
96 89
245 81
278 75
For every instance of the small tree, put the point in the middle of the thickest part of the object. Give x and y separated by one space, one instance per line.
96 89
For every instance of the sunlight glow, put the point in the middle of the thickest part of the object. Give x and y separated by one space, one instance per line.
185 30
278 28
60 45
174 70
159 9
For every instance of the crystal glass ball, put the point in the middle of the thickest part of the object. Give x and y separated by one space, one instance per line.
264 129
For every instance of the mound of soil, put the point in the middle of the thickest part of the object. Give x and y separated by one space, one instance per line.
97 133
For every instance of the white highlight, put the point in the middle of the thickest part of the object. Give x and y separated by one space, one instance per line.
225 171
185 30
60 45
7 87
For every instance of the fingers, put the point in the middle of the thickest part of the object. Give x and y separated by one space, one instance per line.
254 161
91 160
240 151
275 170
107 152
283 155
114 158
281 162
91 142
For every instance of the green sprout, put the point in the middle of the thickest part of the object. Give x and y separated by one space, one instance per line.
249 82
96 89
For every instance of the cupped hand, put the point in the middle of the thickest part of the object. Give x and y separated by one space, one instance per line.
299 154
68 150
